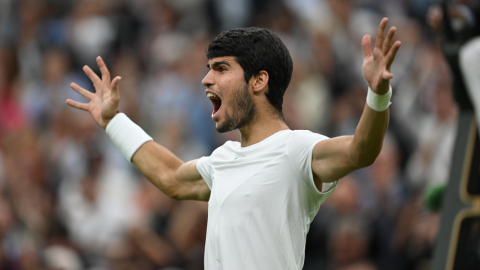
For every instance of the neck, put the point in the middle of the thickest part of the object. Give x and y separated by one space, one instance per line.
264 126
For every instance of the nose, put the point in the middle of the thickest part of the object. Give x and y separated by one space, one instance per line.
208 80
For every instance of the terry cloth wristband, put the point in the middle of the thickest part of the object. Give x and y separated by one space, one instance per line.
126 135
378 102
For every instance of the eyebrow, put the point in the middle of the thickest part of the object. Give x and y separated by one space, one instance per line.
216 64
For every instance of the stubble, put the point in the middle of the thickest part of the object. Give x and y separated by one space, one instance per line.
243 109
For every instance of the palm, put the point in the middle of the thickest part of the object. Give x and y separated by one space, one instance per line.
376 64
103 103
102 107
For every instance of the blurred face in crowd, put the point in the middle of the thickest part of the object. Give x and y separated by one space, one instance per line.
349 245
233 105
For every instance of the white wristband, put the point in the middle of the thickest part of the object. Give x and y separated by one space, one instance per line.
126 135
378 102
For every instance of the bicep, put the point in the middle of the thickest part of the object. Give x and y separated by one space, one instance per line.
331 161
190 184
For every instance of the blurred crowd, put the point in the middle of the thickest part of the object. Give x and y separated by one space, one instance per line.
68 198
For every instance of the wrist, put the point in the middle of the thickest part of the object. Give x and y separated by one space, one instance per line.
381 89
379 102
127 136
106 122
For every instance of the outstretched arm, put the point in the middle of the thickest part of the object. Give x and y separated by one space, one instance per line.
180 181
334 158
166 171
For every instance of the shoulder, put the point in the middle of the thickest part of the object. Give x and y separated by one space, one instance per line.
223 152
305 137
301 143
226 149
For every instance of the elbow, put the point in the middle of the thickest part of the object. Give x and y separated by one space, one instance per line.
171 187
176 197
362 161
173 193
363 154
367 162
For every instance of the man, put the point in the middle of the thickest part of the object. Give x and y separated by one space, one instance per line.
263 192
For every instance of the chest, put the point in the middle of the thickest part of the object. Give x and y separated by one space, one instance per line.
258 180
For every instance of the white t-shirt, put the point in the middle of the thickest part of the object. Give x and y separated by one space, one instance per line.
263 199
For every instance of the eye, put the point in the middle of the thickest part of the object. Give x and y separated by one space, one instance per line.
221 69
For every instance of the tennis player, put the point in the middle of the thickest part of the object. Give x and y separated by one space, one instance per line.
264 191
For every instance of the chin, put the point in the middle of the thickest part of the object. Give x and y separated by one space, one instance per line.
225 127
222 129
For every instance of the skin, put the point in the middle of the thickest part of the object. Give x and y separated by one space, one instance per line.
226 75
241 108
332 159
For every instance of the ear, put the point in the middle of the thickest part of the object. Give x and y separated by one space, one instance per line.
260 82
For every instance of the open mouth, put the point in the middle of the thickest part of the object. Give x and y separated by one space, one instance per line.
216 101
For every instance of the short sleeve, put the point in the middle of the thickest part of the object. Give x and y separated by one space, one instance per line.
204 168
299 150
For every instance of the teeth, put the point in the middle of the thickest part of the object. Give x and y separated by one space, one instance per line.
212 96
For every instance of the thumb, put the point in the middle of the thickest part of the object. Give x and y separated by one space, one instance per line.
387 75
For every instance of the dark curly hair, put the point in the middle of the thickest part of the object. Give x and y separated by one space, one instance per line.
257 49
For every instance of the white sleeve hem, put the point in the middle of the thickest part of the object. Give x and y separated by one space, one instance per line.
203 173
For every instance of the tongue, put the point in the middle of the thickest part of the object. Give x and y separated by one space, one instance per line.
216 106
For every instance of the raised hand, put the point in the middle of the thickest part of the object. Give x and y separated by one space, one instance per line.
376 65
103 105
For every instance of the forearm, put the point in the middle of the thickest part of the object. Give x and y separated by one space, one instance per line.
152 160
178 180
166 171
368 139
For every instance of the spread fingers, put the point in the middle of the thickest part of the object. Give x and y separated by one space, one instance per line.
387 44
381 33
367 51
93 77
104 70
391 54
85 93
77 105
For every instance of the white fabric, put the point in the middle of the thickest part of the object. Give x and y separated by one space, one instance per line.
126 135
378 102
470 65
263 199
